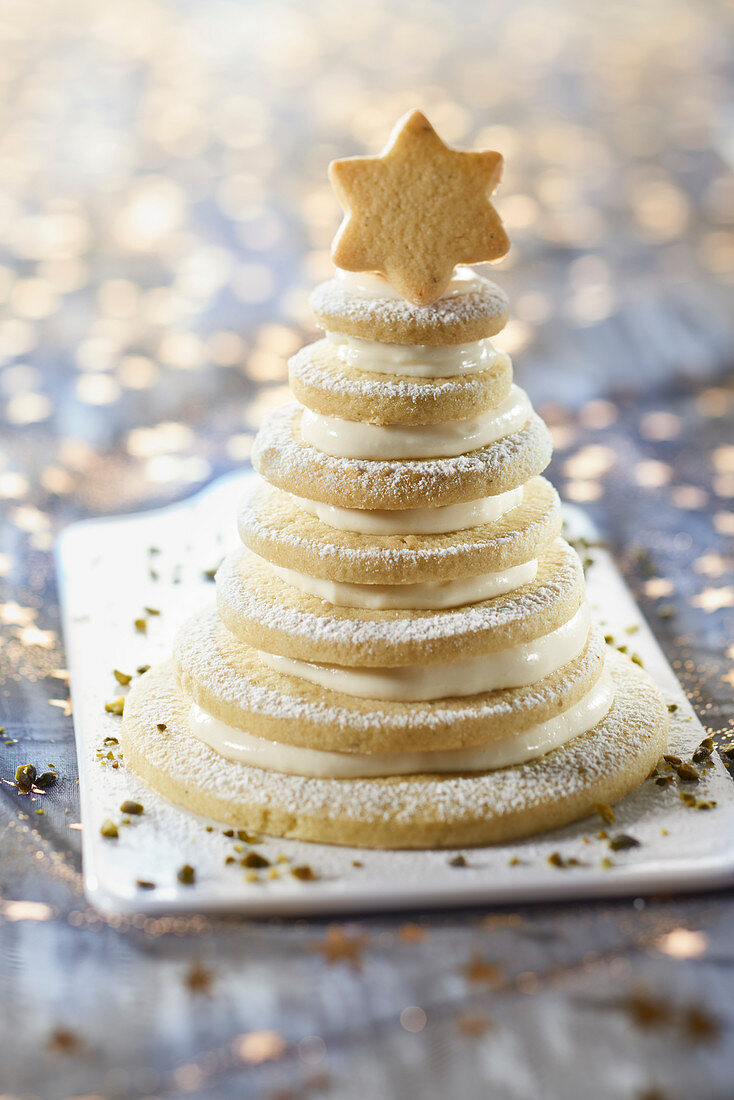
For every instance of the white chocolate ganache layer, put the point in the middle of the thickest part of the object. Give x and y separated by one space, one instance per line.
518 666
351 439
415 360
236 744
415 521
431 595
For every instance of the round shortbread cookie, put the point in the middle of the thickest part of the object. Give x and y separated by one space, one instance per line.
264 611
282 457
232 682
419 811
457 319
322 382
272 525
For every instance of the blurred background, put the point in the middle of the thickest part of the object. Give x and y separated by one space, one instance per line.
164 211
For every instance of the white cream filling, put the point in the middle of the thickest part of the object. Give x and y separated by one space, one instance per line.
414 521
515 667
372 285
355 439
414 360
425 596
515 748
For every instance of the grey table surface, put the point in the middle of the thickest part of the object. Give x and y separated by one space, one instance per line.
163 210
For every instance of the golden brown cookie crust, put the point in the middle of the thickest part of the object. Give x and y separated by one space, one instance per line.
459 319
417 210
321 381
266 612
407 812
272 525
235 685
282 457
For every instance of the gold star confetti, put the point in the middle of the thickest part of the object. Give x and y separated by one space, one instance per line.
480 970
473 1024
417 210
336 946
199 980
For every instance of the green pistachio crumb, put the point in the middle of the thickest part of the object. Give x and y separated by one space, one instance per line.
46 779
25 776
303 873
688 773
142 669
186 875
109 829
122 677
161 726
116 706
622 842
144 884
458 861
606 813
255 860
129 807
140 625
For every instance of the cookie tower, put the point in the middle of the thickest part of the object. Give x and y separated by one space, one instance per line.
401 652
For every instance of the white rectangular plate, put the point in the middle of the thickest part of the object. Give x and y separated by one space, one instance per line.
111 569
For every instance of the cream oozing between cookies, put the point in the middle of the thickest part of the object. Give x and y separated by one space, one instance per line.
516 666
237 744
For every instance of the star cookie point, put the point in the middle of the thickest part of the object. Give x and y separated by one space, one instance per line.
417 209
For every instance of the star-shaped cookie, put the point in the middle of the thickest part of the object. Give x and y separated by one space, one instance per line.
416 210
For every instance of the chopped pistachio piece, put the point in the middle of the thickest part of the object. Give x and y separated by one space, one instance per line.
606 813
25 775
123 678
303 873
186 875
622 842
116 706
254 859
109 829
129 807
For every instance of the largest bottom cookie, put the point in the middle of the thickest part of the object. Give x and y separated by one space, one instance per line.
421 811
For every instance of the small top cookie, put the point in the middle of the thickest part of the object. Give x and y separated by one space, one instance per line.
476 311
416 210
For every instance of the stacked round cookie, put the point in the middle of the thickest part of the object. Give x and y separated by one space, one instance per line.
401 653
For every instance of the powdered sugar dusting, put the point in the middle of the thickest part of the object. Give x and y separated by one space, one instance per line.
282 457
266 611
272 525
633 733
218 671
445 321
